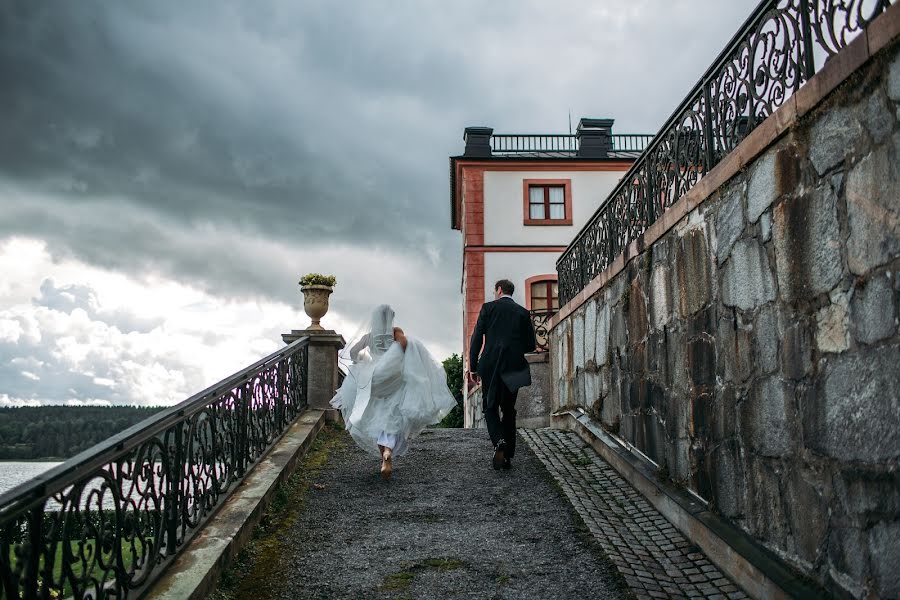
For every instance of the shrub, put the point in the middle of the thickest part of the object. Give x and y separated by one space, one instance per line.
318 279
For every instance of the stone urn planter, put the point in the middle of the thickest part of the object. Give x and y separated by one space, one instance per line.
316 289
315 303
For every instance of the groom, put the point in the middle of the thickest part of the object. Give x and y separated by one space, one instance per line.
502 369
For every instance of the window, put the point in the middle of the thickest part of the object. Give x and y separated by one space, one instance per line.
544 295
548 202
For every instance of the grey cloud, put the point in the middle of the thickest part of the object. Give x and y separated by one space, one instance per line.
69 297
170 137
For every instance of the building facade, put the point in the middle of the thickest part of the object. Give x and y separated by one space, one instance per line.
518 201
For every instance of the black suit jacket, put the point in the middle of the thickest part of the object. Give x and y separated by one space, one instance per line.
508 335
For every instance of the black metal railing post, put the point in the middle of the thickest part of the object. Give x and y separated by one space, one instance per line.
176 473
809 60
33 556
707 128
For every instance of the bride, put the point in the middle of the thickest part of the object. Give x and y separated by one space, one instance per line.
394 389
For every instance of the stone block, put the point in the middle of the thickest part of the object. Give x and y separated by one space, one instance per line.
735 347
590 330
578 339
731 487
831 137
893 86
863 495
728 398
765 416
853 413
747 279
701 357
884 552
768 520
877 115
657 351
677 369
808 245
679 461
847 552
832 325
601 348
692 263
765 226
660 296
618 334
873 314
762 189
766 338
729 221
808 513
873 212
637 312
797 346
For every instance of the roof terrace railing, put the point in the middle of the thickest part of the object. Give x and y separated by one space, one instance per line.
781 46
104 523
538 143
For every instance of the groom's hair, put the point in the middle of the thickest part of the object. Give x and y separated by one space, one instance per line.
506 286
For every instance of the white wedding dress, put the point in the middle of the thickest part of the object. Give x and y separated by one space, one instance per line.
389 396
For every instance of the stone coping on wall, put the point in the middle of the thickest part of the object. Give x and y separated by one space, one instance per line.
196 570
877 36
755 569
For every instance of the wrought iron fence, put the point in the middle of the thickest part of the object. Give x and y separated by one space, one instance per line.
540 319
781 45
105 522
536 143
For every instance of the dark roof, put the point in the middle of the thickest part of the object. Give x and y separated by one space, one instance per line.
537 147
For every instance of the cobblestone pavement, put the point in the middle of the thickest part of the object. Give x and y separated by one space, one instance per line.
654 558
446 526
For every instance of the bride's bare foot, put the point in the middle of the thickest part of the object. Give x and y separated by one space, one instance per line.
387 466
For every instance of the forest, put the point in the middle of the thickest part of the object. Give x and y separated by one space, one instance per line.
58 432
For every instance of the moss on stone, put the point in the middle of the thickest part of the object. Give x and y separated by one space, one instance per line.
260 562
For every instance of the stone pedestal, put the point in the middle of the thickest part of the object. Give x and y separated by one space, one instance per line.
322 371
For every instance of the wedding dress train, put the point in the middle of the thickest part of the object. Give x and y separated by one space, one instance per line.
389 396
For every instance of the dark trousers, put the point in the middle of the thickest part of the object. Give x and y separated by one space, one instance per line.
500 418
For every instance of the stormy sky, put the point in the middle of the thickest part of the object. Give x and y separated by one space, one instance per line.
169 169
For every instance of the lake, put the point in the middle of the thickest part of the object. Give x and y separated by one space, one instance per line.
12 473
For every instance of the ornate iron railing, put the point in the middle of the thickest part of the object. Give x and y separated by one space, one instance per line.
105 522
781 45
537 143
541 319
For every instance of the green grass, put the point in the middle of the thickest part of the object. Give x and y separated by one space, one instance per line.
401 580
76 566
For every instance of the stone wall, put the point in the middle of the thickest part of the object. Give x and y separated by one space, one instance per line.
752 352
532 403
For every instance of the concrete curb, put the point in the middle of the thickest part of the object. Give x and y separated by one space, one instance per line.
759 572
196 570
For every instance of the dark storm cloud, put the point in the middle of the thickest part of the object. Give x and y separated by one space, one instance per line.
224 144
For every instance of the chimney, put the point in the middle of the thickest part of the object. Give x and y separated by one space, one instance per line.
478 141
594 137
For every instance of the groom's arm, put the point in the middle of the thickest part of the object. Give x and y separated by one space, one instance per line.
476 342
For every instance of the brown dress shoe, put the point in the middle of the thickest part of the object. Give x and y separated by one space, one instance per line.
499 457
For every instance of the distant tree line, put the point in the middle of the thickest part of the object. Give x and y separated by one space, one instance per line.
57 432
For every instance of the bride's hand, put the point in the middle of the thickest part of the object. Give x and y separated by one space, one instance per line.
400 338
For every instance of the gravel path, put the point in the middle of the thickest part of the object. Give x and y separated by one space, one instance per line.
447 526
